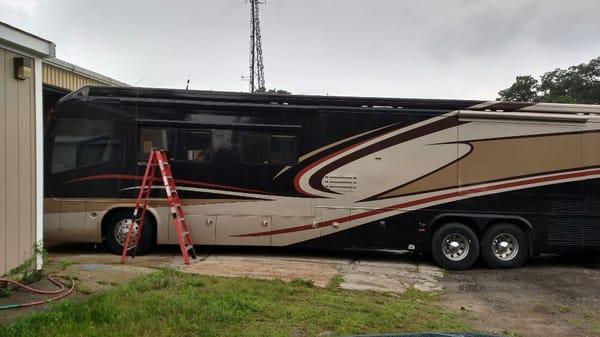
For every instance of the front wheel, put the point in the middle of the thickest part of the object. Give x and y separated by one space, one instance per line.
455 246
504 245
117 228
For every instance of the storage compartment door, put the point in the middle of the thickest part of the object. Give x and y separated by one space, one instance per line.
202 228
289 230
243 230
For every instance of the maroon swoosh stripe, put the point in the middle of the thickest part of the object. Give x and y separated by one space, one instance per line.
316 180
426 200
178 181
307 168
378 195
360 140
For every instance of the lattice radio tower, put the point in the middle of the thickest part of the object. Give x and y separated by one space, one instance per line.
257 69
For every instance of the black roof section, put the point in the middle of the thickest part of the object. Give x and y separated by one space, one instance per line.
191 96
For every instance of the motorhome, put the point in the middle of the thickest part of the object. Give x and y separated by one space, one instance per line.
457 179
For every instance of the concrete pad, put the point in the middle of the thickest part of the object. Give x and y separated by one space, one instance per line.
383 271
98 276
268 268
385 276
390 276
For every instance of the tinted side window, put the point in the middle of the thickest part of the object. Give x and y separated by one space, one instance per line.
283 149
79 143
195 145
254 147
156 137
267 148
93 151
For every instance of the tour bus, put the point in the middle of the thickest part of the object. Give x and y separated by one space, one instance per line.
456 179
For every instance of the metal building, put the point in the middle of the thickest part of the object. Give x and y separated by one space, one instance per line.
60 77
31 81
21 144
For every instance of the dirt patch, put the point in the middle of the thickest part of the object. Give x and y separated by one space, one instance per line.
550 296
92 273
93 277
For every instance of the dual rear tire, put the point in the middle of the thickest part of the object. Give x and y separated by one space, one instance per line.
456 246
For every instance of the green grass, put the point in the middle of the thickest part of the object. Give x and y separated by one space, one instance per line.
170 303
4 291
64 263
563 309
335 282
302 282
593 321
510 333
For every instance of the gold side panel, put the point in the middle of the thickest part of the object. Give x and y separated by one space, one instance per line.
499 159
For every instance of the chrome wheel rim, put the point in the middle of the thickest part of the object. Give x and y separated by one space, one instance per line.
455 247
121 230
505 246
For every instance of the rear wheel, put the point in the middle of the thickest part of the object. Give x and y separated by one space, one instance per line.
455 246
117 228
504 245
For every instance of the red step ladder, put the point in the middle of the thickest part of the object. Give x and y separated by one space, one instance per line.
158 157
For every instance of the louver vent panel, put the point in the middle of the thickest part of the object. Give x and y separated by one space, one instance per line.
591 231
591 207
565 231
566 206
341 182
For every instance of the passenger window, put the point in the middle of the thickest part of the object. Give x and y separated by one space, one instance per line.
156 137
195 145
267 148
93 151
283 149
254 148
79 143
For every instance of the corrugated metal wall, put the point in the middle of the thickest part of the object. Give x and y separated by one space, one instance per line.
64 79
17 165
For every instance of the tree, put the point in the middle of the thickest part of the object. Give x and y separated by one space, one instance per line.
273 91
577 84
523 90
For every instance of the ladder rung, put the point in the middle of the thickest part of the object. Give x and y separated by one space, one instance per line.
185 233
189 247
131 247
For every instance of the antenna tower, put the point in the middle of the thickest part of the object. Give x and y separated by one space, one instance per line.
257 71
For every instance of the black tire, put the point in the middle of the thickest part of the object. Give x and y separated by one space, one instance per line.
512 258
146 240
458 262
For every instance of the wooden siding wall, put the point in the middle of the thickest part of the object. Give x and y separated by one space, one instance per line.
64 79
17 165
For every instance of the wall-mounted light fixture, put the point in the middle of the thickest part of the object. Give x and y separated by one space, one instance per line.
22 68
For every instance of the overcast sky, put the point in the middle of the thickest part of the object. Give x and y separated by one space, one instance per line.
399 48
